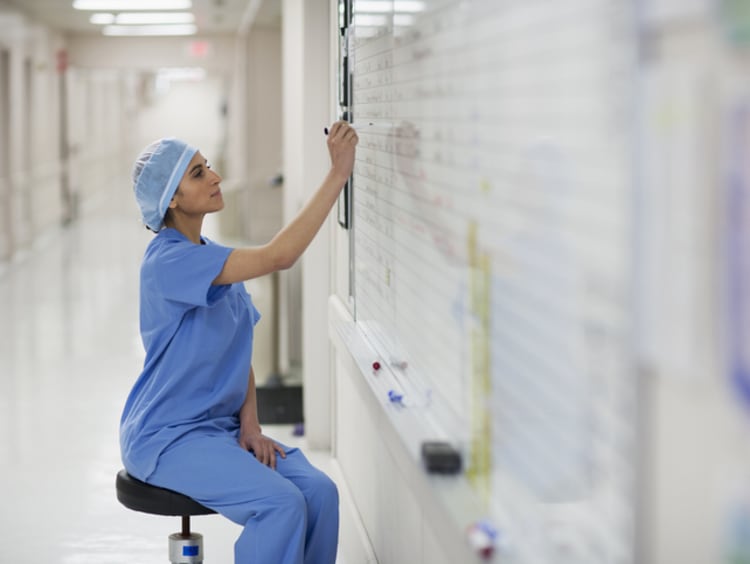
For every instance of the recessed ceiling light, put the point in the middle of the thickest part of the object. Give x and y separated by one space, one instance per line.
141 30
132 5
141 18
102 19
384 7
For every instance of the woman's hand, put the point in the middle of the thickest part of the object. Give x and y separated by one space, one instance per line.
261 446
342 140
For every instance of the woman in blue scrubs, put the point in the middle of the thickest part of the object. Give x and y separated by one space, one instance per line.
190 423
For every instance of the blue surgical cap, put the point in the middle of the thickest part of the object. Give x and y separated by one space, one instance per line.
156 175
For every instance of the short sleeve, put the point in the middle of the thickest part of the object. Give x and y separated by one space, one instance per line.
183 272
254 313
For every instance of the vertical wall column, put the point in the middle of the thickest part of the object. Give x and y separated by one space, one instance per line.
306 110
6 215
18 145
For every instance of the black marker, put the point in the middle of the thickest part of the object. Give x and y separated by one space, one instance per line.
358 126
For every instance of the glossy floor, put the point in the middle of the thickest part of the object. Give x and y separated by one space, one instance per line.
69 352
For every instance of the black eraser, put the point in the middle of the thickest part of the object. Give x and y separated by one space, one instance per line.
440 457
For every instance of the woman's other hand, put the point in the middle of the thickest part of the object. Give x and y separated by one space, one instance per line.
262 447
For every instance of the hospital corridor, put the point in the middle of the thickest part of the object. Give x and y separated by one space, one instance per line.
499 253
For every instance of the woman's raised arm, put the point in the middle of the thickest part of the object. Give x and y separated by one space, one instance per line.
289 243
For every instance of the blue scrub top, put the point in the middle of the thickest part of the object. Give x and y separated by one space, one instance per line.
198 339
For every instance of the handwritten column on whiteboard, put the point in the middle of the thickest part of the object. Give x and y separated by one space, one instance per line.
492 225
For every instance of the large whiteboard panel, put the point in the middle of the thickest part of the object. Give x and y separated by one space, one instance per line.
492 243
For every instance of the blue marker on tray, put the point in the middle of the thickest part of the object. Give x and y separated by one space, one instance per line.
395 397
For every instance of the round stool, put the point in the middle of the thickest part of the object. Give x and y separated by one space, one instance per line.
185 547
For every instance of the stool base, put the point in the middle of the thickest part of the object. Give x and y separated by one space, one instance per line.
186 549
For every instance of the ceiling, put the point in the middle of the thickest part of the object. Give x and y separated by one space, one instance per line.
211 16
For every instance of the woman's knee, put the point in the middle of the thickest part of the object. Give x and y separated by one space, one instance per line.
323 491
283 501
292 500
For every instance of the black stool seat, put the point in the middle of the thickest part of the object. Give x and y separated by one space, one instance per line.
140 496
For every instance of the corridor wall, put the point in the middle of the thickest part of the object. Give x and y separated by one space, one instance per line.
62 132
30 113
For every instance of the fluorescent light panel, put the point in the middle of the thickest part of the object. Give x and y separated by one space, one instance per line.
131 5
142 30
142 18
375 6
102 19
370 20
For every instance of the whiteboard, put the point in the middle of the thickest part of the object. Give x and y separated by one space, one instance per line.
492 244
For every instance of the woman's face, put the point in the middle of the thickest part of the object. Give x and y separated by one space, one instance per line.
199 192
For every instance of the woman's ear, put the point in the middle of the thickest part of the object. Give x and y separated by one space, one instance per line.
173 201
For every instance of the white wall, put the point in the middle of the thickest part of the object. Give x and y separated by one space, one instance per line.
306 107
100 155
148 53
293 100
262 130
189 110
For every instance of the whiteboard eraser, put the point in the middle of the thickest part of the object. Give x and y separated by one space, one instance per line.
440 457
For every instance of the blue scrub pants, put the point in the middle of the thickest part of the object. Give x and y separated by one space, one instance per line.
290 515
